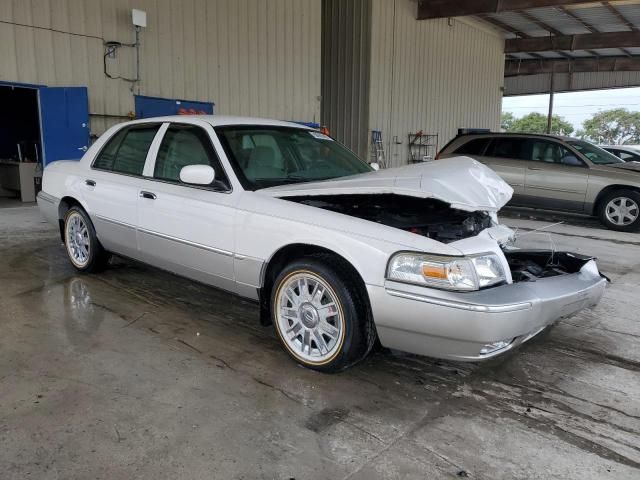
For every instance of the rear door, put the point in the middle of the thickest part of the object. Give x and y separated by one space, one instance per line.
64 123
555 178
113 185
507 157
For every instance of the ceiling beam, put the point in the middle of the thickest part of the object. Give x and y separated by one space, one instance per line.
586 25
620 16
589 27
514 68
582 41
507 28
544 26
428 9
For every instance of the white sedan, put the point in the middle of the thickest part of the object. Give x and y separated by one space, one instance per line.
336 253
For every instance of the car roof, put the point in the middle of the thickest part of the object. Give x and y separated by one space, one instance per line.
224 120
517 134
633 148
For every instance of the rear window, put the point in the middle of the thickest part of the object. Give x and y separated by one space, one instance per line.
476 146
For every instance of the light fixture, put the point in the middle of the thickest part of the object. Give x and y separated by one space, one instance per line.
139 18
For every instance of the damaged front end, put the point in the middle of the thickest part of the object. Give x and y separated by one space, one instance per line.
427 217
532 265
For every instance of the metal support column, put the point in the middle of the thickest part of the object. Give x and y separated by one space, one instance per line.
550 115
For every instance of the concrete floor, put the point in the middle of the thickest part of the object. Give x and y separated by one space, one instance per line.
135 373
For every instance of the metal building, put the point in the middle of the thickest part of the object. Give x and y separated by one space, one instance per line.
248 57
385 70
263 58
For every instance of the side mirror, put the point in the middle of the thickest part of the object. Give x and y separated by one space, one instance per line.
375 165
197 174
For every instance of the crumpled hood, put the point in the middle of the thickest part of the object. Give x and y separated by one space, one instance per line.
462 182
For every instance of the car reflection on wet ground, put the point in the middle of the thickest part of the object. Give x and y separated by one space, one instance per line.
136 373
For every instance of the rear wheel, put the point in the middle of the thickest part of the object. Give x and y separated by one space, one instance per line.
83 248
620 210
321 316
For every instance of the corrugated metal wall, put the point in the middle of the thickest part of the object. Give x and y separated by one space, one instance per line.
530 84
431 76
346 59
250 57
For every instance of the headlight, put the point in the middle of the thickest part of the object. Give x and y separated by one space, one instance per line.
488 269
451 273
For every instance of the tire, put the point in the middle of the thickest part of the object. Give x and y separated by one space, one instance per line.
81 243
620 210
304 327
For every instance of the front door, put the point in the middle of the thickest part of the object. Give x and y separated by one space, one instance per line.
188 229
555 178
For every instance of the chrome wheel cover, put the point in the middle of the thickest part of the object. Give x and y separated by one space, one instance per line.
77 240
309 317
622 211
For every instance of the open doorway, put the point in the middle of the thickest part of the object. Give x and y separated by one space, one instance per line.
20 149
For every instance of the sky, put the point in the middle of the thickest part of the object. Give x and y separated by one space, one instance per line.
575 107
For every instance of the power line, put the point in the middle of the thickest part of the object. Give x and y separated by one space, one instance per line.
54 30
581 106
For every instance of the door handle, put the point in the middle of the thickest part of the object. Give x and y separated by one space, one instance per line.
534 168
149 195
91 183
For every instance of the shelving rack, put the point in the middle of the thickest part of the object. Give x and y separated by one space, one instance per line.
422 146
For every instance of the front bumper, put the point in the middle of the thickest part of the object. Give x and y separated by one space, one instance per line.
456 326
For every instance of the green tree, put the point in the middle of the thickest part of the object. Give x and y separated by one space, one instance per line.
537 123
612 127
506 121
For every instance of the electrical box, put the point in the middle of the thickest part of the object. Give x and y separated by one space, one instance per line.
139 18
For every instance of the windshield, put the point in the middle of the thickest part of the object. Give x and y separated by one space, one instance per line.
596 154
266 156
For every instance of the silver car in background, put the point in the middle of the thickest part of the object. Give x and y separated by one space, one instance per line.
559 173
627 153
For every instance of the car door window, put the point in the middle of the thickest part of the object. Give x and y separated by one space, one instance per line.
126 152
627 157
509 147
552 152
185 145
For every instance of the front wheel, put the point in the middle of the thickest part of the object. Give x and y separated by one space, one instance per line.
83 248
321 316
620 210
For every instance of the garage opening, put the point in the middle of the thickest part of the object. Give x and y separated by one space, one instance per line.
20 149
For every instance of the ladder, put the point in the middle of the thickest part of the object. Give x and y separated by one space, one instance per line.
377 149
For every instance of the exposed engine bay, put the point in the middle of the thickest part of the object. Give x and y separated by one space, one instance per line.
428 217
530 265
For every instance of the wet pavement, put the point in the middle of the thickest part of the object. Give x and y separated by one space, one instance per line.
135 373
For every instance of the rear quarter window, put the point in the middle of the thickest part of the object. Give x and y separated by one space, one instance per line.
510 147
476 146
126 151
